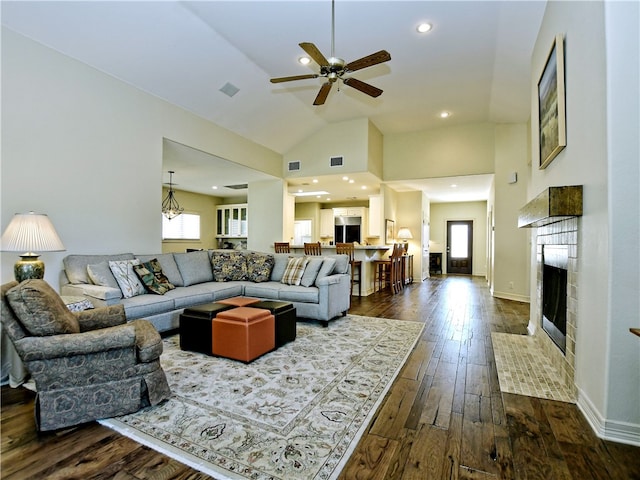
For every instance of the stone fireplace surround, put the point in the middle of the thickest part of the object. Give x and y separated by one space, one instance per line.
555 213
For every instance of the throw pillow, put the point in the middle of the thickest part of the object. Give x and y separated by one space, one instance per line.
41 310
168 264
259 266
100 274
128 281
150 273
228 266
295 269
311 272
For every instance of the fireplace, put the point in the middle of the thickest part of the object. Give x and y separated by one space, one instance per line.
554 293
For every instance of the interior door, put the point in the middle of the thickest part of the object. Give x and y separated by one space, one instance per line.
459 246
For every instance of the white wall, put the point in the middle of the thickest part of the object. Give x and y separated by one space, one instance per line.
409 214
602 155
511 249
270 214
86 149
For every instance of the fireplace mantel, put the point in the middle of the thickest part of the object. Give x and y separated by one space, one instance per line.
552 205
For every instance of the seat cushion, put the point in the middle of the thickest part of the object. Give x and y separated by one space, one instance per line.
41 310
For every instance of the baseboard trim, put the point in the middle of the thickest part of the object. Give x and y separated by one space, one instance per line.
511 296
621 432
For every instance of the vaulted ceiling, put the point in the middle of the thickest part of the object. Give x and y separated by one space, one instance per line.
474 63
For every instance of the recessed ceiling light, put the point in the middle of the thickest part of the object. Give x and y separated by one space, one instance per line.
423 27
453 185
363 187
445 114
315 180
352 181
304 60
215 187
345 178
300 191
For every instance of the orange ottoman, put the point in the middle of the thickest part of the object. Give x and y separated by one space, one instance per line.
243 333
239 301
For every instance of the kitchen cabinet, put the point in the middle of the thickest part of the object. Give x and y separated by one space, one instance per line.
375 217
232 221
326 223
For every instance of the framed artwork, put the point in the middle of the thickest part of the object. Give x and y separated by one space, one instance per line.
388 231
551 105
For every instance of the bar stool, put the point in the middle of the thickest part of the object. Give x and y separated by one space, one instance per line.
349 249
313 248
282 247
381 274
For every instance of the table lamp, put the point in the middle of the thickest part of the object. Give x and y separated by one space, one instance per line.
405 234
30 232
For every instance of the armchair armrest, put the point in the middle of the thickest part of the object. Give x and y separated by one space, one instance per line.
101 317
74 344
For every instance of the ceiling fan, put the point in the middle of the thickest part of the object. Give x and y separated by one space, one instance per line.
335 68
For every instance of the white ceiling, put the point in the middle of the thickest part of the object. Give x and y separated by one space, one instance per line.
475 63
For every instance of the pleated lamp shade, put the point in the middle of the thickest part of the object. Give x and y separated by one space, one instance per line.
30 232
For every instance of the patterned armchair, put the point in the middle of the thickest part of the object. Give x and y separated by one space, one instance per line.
86 365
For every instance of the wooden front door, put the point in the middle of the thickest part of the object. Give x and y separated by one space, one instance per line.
459 246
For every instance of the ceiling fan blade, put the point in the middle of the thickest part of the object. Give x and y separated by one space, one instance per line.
294 77
362 86
314 53
368 61
322 94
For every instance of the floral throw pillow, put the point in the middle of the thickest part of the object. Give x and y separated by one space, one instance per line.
228 266
151 274
259 266
294 270
127 279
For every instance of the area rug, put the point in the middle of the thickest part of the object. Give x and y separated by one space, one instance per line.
294 413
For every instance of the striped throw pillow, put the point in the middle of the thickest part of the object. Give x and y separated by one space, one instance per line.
294 270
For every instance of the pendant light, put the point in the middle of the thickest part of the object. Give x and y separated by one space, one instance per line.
170 207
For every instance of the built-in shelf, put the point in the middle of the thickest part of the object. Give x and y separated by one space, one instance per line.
551 206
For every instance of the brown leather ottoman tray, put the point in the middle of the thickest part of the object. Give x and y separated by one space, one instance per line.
285 318
243 333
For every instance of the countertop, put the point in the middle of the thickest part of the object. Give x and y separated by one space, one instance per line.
357 247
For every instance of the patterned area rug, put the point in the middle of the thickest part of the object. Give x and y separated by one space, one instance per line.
295 413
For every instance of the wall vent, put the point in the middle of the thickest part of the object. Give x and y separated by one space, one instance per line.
336 161
239 186
294 166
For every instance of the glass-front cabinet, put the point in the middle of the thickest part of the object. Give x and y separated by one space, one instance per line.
232 221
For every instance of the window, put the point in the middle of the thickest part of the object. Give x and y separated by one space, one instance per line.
183 227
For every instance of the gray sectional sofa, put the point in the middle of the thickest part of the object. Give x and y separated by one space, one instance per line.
207 276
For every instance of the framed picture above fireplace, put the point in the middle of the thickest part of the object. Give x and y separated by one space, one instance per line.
551 105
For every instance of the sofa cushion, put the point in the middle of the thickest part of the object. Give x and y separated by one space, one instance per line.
41 310
342 263
142 306
264 289
194 267
299 294
279 266
295 269
169 267
259 266
326 269
100 274
127 279
228 266
311 271
151 275
75 266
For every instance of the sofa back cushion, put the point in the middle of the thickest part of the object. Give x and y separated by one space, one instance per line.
195 267
40 309
311 271
100 274
75 266
328 265
280 264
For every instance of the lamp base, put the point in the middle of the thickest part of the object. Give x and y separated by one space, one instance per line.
29 266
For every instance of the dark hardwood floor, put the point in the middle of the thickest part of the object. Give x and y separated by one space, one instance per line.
444 417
